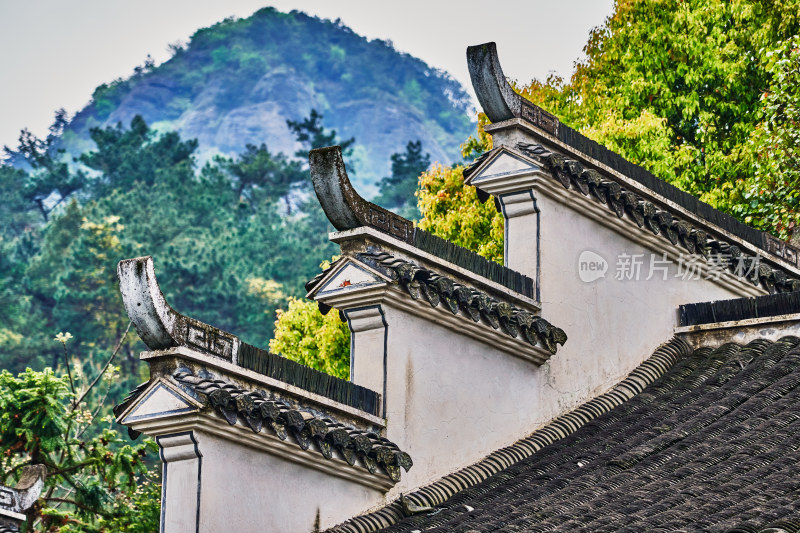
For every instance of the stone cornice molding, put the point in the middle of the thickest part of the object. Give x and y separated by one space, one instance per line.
355 240
655 243
424 293
206 422
588 192
181 395
167 361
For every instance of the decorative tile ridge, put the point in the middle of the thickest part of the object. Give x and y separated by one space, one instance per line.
328 437
659 221
347 210
437 290
161 327
770 305
15 501
427 498
501 103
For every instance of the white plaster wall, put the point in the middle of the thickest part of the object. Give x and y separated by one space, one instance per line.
249 491
451 400
613 325
180 496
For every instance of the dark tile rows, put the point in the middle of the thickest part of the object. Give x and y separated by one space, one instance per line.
589 182
328 437
429 286
440 491
713 445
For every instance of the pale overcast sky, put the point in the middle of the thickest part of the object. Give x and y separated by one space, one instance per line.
55 52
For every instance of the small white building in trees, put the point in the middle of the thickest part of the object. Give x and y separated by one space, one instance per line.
634 365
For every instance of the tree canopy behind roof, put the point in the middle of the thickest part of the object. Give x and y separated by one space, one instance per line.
703 93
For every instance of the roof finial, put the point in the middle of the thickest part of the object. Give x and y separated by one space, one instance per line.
343 206
498 99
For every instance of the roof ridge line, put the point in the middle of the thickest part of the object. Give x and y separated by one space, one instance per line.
347 210
161 327
441 490
501 103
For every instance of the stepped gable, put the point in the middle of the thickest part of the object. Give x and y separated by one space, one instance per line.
693 440
346 210
501 103
161 327
657 219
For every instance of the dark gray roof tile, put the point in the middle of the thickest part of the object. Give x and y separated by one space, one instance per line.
234 404
710 442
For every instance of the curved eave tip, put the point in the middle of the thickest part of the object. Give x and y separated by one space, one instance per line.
334 191
326 165
144 302
497 98
490 48
141 263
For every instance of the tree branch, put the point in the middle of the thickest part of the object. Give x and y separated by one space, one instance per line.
79 506
105 367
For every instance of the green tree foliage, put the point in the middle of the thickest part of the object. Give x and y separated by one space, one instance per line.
397 191
257 171
701 93
772 197
676 87
51 180
304 335
136 155
215 233
96 479
452 211
311 134
17 212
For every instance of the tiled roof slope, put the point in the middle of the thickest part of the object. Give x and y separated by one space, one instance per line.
712 445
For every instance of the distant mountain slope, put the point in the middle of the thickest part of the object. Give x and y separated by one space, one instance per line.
238 81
